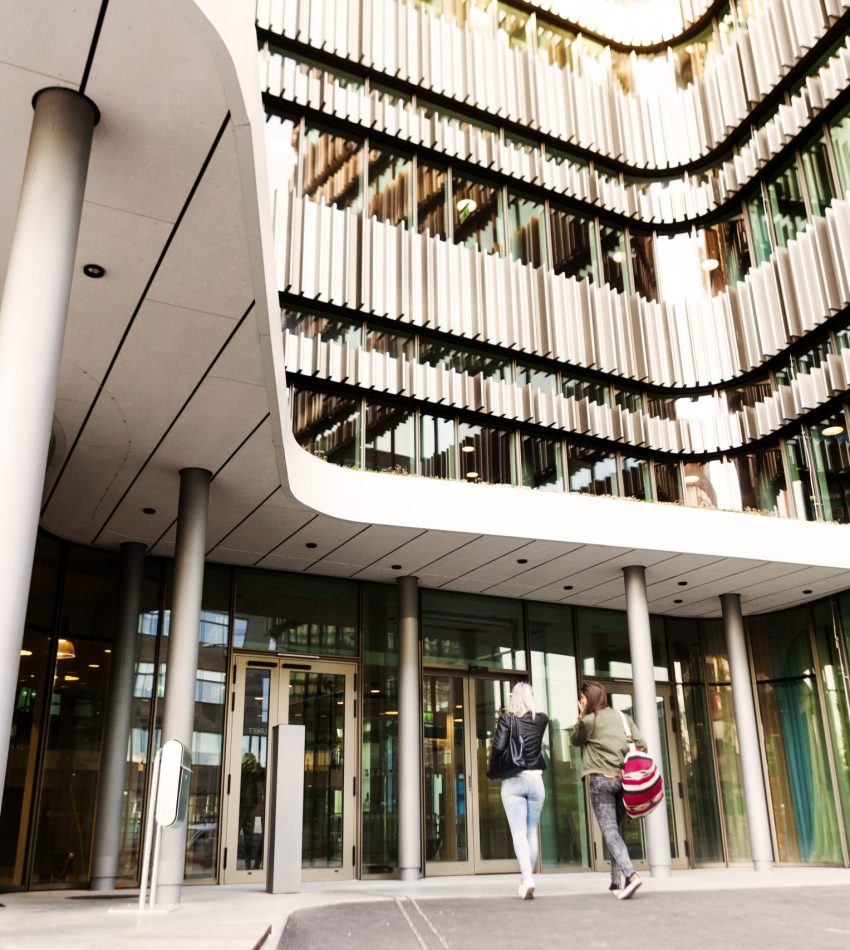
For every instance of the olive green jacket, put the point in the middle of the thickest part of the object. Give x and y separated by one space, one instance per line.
604 749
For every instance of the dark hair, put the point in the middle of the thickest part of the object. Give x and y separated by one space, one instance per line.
597 699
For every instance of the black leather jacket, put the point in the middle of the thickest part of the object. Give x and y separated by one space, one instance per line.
531 731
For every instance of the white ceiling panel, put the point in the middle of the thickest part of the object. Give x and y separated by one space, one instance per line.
49 38
264 529
326 533
161 106
472 555
465 585
535 554
376 542
424 549
279 562
207 266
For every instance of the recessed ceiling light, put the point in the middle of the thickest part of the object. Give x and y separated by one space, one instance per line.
148 511
522 560
691 479
107 650
466 206
683 583
568 586
391 712
472 474
617 257
395 567
468 448
26 652
311 544
832 430
94 666
374 692
808 590
70 678
710 264
678 601
95 271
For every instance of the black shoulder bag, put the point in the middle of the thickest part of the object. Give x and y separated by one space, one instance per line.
504 762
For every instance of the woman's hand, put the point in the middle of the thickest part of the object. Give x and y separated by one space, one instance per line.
582 704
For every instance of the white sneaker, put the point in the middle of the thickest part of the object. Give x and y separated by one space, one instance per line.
633 883
526 890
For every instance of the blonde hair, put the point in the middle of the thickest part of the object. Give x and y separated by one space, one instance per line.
522 701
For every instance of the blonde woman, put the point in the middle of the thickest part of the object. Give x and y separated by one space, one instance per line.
517 760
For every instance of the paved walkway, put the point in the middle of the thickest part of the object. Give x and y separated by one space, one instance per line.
788 908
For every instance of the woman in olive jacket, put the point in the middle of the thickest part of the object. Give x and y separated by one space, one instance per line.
522 784
603 741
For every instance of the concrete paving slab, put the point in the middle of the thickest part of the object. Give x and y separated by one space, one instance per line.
244 917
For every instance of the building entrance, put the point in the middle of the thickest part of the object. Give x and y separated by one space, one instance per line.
266 692
620 697
466 831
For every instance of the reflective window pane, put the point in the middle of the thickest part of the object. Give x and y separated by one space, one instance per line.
390 187
643 265
465 629
333 169
476 214
573 245
591 471
831 459
761 480
636 478
839 132
436 446
526 233
389 438
615 268
331 329
801 478
327 425
579 387
563 836
603 637
295 613
282 151
787 206
540 380
462 360
668 486
394 343
486 454
541 463
431 199
818 176
762 247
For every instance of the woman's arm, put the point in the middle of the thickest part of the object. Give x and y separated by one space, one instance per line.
639 740
503 728
581 731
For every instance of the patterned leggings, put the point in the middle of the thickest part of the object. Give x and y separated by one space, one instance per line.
606 798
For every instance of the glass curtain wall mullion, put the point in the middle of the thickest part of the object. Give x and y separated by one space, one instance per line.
830 752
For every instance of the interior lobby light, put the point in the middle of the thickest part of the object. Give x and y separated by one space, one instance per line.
691 479
833 430
468 448
710 263
472 474
65 650
617 257
466 206
70 678
26 652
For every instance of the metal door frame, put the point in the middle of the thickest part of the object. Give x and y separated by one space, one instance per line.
280 669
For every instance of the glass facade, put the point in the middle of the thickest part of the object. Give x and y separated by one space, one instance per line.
473 648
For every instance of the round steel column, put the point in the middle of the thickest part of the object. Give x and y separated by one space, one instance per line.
182 666
409 715
657 831
32 326
752 776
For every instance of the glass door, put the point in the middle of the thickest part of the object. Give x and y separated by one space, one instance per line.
620 698
466 831
319 696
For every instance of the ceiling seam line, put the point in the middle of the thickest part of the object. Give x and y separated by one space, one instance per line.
281 543
242 521
166 247
398 547
93 47
173 422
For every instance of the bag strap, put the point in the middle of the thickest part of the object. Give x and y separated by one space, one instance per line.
626 728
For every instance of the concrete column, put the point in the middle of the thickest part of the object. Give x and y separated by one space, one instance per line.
409 716
656 829
182 664
755 798
113 761
32 325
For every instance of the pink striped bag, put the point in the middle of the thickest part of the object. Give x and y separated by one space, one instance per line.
643 786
